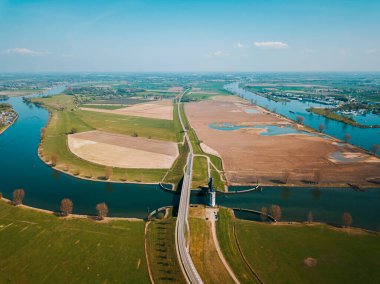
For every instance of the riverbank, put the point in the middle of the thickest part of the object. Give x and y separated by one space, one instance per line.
70 216
337 117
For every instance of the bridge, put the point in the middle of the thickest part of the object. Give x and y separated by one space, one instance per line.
190 272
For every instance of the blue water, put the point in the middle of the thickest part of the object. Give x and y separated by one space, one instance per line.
20 167
367 119
269 130
327 204
362 137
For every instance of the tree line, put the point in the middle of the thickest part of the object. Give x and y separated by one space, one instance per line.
275 211
66 206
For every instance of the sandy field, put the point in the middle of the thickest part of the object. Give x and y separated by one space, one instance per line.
295 159
157 109
123 151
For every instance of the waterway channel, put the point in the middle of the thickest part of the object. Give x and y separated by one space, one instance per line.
20 167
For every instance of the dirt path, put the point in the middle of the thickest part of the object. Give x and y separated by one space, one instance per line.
210 213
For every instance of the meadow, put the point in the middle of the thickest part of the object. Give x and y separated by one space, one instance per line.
279 253
43 248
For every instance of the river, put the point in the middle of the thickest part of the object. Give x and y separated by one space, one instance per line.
362 137
20 167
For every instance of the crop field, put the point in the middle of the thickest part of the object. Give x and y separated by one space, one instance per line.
42 248
123 151
298 253
157 109
67 119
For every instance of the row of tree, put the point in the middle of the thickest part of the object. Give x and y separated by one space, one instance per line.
347 137
275 212
66 207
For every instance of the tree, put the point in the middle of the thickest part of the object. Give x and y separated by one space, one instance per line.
347 137
107 172
375 148
300 119
317 176
321 127
310 217
102 210
54 160
264 212
66 207
346 219
285 177
18 196
275 211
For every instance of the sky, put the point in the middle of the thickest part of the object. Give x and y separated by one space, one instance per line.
197 35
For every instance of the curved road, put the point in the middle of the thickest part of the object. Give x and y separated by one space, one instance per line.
187 265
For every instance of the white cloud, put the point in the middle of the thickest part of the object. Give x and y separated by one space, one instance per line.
219 53
25 51
271 44
239 45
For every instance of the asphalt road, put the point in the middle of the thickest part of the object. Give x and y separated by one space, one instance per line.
187 265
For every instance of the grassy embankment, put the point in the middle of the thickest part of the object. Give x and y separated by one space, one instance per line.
42 248
335 116
200 176
162 253
277 252
65 117
201 168
203 251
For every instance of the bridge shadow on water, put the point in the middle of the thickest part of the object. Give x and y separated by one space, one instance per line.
198 196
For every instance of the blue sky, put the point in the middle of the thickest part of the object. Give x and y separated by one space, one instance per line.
201 35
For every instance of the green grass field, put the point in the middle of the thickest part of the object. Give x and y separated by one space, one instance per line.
65 117
277 252
42 248
162 254
334 116
200 172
